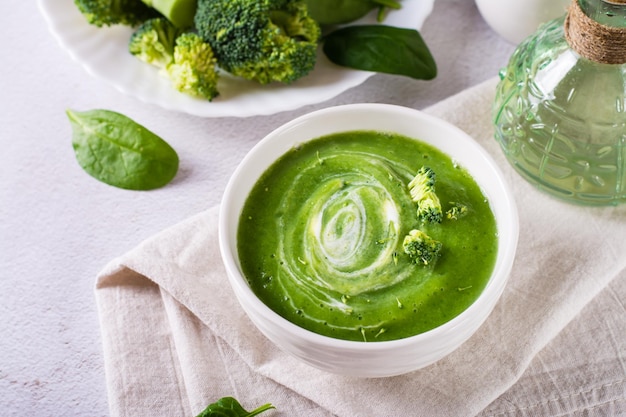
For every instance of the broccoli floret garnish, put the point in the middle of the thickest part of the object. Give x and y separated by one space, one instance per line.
183 57
113 12
153 42
457 211
260 40
422 191
194 68
421 248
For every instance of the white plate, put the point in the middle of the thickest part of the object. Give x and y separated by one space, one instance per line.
103 53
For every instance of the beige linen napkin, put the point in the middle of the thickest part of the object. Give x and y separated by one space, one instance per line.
175 338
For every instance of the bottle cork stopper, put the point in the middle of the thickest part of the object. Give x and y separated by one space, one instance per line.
593 40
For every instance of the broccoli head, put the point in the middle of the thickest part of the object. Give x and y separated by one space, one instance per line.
182 56
422 191
194 69
421 248
153 42
260 40
113 12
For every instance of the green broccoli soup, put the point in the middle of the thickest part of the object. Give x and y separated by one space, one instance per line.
367 236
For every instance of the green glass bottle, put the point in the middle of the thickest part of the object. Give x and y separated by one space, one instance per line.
560 106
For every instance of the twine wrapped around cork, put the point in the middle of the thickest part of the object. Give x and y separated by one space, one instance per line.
593 40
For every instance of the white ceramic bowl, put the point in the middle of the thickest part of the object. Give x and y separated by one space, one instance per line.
374 359
515 20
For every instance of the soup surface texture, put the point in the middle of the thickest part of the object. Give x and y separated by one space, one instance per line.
320 238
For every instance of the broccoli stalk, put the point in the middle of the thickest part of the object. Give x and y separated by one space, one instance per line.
179 12
384 6
182 56
113 12
421 248
260 40
422 191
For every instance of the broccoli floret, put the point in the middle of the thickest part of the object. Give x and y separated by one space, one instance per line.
179 12
260 40
457 211
194 70
154 41
422 191
182 56
421 248
112 12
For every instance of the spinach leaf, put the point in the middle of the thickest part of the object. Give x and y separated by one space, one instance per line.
381 48
118 151
229 407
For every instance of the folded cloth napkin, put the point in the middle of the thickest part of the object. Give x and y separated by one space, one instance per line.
175 338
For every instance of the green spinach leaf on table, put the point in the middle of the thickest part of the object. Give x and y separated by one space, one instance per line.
120 152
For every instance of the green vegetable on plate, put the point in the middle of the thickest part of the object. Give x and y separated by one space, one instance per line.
120 152
380 48
264 41
115 12
153 42
179 12
183 57
334 12
194 70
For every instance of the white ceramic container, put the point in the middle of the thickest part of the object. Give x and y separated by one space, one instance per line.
371 359
515 20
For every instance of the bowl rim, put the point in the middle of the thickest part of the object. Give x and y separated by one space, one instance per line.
502 267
